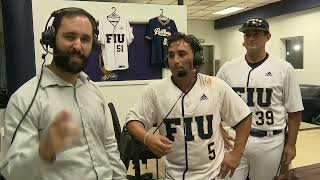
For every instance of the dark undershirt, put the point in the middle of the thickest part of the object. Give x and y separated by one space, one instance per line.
254 65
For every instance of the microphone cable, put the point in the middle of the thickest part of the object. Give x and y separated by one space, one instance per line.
35 93
29 107
168 113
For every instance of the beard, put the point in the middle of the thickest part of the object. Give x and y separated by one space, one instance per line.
62 59
182 73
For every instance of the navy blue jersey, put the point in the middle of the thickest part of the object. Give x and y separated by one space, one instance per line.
157 31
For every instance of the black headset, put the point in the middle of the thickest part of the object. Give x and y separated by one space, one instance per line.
48 36
195 45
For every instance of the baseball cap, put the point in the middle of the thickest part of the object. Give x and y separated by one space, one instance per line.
255 23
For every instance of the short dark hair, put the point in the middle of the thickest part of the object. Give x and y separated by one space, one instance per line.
73 12
190 39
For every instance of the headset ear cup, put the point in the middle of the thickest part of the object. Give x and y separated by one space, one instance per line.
198 58
48 37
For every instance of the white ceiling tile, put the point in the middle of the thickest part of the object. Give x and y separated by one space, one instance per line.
190 2
205 3
227 3
216 8
239 1
193 16
174 3
161 2
202 13
197 7
190 11
203 9
271 1
137 1
213 15
205 18
246 4
259 1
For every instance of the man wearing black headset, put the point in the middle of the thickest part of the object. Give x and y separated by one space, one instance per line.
67 133
187 108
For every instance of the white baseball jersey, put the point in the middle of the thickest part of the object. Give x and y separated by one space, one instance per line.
270 90
193 123
115 38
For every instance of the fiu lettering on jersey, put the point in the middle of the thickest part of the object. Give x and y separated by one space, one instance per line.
188 122
263 96
261 93
117 38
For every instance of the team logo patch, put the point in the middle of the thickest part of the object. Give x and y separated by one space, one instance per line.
203 97
268 74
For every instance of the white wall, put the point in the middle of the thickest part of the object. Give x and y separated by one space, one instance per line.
202 30
205 30
303 23
122 94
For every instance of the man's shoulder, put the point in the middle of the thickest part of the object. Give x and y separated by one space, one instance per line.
236 61
28 86
211 81
279 62
234 65
162 83
27 90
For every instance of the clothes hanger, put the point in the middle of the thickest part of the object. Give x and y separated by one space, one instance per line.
113 17
113 14
162 17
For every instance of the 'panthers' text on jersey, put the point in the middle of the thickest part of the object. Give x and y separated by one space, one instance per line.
157 31
193 123
270 90
115 36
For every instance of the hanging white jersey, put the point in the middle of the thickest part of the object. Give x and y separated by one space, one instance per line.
270 90
193 123
115 36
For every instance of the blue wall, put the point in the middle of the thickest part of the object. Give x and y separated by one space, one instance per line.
19 42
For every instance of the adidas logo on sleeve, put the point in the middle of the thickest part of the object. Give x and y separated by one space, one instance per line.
203 97
268 74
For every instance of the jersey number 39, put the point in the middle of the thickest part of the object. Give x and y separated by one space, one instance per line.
266 117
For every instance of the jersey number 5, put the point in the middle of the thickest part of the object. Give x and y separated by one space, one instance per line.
211 152
262 116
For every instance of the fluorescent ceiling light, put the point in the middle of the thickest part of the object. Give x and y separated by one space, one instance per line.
229 10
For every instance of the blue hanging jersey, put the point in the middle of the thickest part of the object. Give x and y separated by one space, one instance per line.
157 31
